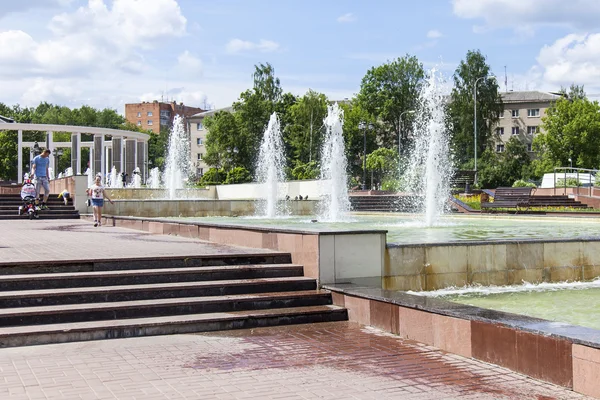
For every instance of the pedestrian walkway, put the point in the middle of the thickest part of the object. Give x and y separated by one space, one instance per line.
340 360
25 240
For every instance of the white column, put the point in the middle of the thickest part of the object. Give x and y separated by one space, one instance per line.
122 141
102 159
92 172
20 157
136 157
78 168
49 146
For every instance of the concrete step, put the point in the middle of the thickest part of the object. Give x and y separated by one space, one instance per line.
43 297
96 330
145 276
67 313
41 216
51 211
140 263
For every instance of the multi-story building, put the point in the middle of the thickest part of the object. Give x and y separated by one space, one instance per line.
153 115
522 117
198 138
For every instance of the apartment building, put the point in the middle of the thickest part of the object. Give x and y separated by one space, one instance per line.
152 115
198 138
522 117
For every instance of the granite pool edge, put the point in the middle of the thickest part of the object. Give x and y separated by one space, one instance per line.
576 334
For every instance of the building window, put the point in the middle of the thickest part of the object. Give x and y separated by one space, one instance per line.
501 114
532 130
139 123
139 114
499 131
199 156
199 126
199 171
529 147
515 113
149 113
533 112
515 130
199 141
149 122
499 148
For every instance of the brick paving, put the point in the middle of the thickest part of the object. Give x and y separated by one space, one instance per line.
338 360
24 240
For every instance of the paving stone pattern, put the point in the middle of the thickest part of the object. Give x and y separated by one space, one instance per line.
25 240
339 360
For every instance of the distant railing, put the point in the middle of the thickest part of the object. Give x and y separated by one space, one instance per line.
565 173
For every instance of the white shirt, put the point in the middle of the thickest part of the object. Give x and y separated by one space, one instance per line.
97 191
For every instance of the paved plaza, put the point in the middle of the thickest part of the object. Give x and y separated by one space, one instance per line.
340 360
24 240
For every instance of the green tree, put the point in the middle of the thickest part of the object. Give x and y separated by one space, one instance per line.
355 137
570 129
225 148
387 92
238 175
384 162
252 113
472 73
157 148
503 169
304 132
309 170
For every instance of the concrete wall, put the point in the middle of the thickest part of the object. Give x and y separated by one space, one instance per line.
77 186
157 194
195 208
431 267
311 188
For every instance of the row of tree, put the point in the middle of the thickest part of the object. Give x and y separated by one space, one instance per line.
381 117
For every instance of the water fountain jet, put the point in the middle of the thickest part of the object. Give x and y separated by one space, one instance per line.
270 170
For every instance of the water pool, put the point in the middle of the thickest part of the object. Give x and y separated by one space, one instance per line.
576 303
409 228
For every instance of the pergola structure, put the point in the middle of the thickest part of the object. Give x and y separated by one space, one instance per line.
125 150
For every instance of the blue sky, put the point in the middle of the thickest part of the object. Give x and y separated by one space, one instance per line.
107 53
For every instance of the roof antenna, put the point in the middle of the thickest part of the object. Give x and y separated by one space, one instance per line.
505 80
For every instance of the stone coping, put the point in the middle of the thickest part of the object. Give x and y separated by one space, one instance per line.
498 241
575 334
247 227
267 253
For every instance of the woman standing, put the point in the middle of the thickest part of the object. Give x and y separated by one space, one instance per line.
98 194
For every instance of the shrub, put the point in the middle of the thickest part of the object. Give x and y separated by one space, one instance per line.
213 177
570 182
522 183
238 175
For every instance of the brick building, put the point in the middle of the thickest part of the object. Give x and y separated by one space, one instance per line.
153 115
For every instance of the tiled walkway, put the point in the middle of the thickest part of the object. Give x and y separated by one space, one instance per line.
25 240
320 361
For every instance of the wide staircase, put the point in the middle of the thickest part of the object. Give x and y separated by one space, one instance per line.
383 203
60 301
9 208
555 201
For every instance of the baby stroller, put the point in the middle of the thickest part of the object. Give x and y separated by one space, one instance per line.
28 195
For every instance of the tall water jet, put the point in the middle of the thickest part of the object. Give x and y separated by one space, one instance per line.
334 164
430 167
178 158
115 179
69 171
154 179
270 170
136 182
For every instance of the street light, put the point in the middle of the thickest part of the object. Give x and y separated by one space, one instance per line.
36 149
475 118
363 127
571 162
401 123
57 153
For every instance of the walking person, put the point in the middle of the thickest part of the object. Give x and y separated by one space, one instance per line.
40 168
98 194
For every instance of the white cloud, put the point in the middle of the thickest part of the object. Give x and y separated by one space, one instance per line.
572 59
264 46
524 16
348 17
434 34
189 64
93 38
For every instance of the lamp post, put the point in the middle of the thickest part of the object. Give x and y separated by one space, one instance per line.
36 149
57 153
363 127
475 120
401 123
